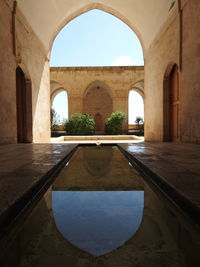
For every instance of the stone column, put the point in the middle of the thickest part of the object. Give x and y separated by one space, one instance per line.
120 103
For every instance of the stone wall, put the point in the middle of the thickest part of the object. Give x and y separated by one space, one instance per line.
7 76
190 77
32 60
98 104
163 52
35 65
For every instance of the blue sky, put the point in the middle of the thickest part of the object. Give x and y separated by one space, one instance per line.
95 38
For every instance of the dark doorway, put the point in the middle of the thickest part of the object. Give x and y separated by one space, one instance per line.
24 107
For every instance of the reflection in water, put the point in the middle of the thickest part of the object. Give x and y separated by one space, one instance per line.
98 160
98 221
85 169
98 215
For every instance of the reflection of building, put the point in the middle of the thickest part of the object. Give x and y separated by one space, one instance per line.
98 168
97 91
98 161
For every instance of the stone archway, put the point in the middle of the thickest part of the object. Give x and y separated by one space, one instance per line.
59 95
97 102
136 107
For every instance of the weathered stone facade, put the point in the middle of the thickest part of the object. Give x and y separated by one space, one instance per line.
32 59
98 91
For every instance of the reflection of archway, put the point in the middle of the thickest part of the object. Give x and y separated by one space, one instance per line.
97 102
98 162
171 104
24 107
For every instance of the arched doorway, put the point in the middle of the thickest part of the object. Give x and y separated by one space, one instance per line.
59 107
171 105
136 111
59 102
24 107
98 122
98 104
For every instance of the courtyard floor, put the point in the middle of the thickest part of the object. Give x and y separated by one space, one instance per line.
27 170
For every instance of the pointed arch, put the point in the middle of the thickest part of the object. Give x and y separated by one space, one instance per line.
97 102
98 83
101 7
132 105
56 88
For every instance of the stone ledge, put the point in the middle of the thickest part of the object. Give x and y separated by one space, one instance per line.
100 68
96 138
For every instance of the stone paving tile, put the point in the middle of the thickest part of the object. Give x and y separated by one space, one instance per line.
23 167
175 164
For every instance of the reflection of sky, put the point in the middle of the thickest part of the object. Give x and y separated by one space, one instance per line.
98 221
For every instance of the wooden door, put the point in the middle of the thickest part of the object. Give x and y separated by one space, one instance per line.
175 105
98 123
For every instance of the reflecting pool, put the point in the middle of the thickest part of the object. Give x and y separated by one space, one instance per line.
100 213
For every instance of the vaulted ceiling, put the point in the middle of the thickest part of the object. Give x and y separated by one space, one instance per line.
145 17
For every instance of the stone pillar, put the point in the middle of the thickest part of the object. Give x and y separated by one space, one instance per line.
75 105
120 103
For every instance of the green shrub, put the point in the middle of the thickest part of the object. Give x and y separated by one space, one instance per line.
79 125
114 123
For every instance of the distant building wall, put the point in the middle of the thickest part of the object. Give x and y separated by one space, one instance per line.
98 91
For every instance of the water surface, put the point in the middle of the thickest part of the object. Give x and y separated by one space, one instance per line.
101 213
98 221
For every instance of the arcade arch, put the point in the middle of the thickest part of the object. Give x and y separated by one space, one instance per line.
58 93
135 103
139 88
